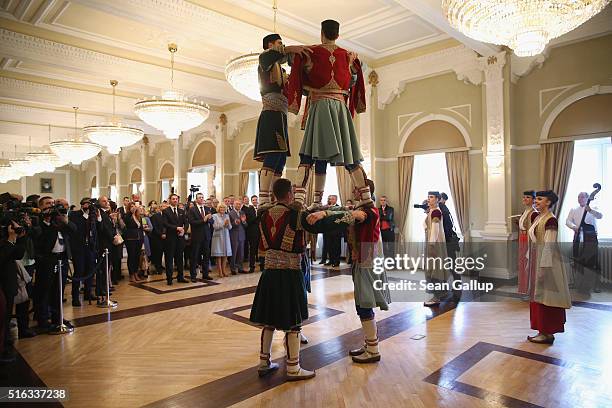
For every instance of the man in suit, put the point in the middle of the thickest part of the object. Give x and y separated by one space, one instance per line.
237 236
84 248
252 231
333 239
387 226
51 246
200 219
158 236
106 233
123 210
175 223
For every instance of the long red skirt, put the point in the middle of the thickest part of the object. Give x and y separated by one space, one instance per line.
523 263
546 319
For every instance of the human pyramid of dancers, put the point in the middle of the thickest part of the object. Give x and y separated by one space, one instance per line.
332 79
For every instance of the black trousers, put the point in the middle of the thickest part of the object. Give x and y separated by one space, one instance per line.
325 250
116 255
200 255
174 255
46 289
84 264
157 249
134 249
253 245
388 239
334 248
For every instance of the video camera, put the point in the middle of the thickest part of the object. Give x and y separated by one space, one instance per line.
192 191
16 211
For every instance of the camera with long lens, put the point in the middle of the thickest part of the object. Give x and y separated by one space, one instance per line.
16 211
194 188
423 206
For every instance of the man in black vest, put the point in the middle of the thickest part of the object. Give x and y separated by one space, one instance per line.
200 219
175 223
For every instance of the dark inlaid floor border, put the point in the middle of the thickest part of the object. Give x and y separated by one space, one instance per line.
576 303
324 313
245 384
20 374
447 375
159 307
145 286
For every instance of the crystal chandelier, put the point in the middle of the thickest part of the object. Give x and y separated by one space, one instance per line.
241 72
113 134
77 150
173 113
524 26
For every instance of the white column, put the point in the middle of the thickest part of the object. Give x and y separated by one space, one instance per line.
120 192
219 135
98 160
178 167
496 227
144 153
366 126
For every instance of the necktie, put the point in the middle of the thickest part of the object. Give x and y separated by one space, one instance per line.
202 211
175 211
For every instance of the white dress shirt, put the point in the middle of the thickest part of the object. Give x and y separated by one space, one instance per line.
575 217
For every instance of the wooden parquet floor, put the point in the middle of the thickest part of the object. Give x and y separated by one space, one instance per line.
190 355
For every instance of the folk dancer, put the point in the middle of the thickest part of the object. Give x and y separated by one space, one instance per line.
549 288
332 77
524 223
435 248
280 300
271 140
367 245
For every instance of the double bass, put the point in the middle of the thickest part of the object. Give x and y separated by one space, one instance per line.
585 251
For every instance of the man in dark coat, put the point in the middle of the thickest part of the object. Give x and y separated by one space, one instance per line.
175 223
387 226
200 219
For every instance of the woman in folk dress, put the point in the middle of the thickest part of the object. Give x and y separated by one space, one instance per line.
549 289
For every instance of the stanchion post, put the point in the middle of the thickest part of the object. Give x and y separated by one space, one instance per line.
62 328
110 304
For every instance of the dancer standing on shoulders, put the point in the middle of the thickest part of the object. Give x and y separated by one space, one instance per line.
271 140
333 79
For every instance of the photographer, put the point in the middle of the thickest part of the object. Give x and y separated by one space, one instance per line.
11 250
51 246
84 247
106 235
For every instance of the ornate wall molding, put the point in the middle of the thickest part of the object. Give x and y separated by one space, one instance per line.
394 77
555 92
428 118
594 90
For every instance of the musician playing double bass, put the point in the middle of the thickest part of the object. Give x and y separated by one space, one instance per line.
583 221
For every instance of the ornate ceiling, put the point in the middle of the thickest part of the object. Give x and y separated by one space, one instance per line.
55 54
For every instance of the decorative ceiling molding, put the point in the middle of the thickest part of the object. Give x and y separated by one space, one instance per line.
195 22
522 66
394 77
74 60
